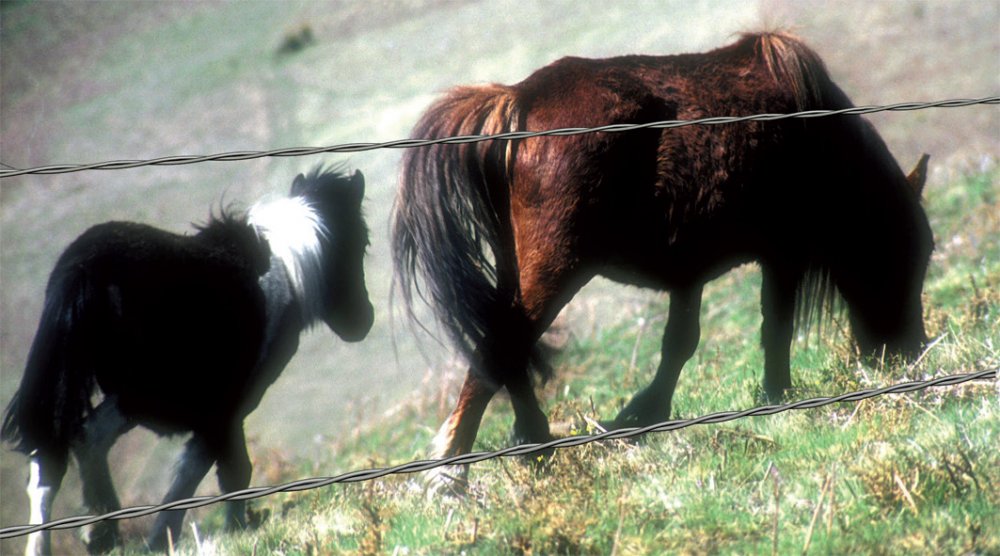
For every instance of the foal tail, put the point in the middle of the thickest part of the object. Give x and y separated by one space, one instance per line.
54 395
451 223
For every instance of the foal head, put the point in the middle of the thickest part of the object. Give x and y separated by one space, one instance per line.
336 199
318 233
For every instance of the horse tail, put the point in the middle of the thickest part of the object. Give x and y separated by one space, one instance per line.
451 218
54 396
794 65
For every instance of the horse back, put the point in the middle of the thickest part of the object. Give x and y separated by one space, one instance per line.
737 188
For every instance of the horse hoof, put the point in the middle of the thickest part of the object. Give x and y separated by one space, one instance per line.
771 396
449 481
538 456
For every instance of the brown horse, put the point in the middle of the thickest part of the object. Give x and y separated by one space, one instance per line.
504 233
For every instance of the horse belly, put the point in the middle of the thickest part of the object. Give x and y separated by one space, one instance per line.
666 267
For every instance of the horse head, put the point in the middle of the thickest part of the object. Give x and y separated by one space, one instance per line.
888 315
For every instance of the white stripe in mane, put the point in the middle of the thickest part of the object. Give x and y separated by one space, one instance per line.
293 231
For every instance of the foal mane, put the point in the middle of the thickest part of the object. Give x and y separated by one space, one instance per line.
334 179
229 233
322 212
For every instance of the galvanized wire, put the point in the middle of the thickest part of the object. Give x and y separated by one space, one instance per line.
413 143
524 449
473 457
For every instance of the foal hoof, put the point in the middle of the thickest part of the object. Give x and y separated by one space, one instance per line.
644 409
255 519
161 541
616 425
101 537
632 420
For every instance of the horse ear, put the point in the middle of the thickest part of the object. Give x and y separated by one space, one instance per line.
358 182
297 184
918 176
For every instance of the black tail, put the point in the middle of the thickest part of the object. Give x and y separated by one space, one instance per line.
55 391
451 223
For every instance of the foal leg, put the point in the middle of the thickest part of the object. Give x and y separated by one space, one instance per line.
47 468
777 306
234 470
680 339
195 462
100 431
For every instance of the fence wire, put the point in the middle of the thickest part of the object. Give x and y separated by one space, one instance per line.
413 143
474 457
523 449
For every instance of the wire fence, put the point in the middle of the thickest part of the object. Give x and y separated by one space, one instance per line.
413 143
474 457
523 449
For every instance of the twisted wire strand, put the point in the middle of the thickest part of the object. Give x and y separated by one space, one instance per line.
413 143
473 457
523 449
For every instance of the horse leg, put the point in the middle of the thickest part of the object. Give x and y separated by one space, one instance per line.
530 423
233 471
777 306
458 433
197 459
47 468
100 431
548 280
680 339
503 358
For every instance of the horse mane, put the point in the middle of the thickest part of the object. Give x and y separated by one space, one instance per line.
792 64
797 68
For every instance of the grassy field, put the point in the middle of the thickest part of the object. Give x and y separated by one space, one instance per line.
916 473
84 81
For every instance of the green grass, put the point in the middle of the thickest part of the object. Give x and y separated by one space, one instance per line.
916 473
